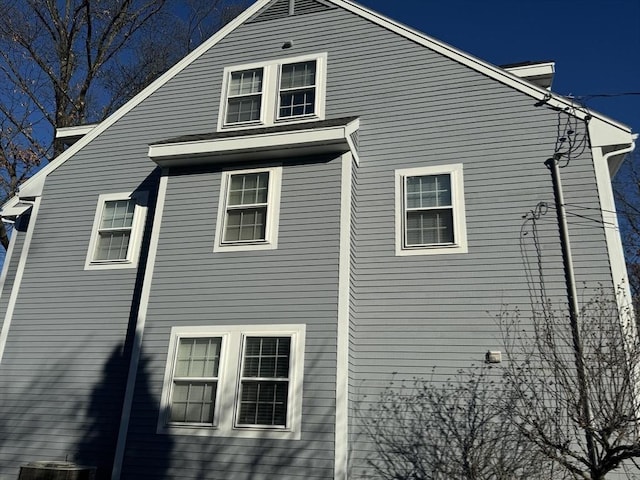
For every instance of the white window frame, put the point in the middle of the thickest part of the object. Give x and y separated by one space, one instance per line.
229 374
135 239
269 110
459 244
273 212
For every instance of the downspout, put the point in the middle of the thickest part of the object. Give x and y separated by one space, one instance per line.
605 158
574 309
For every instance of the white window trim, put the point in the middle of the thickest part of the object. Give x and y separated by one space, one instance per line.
273 212
271 92
229 382
137 229
457 199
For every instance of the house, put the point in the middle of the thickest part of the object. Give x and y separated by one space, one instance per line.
316 201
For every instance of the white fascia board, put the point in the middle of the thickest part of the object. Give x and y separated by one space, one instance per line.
475 63
535 70
135 101
322 140
73 132
15 211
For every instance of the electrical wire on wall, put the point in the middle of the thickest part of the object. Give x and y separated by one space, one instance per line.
534 271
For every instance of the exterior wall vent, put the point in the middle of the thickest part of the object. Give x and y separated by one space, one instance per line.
56 471
279 9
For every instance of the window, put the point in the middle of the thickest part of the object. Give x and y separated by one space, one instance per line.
245 96
117 228
234 381
430 216
297 89
248 209
282 90
264 382
195 380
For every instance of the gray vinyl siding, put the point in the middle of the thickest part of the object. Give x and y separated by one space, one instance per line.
418 108
294 284
63 361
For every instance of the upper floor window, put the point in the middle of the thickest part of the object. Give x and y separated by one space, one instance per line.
248 210
430 215
234 381
117 230
267 93
297 89
245 96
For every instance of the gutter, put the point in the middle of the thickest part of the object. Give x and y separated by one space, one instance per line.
615 166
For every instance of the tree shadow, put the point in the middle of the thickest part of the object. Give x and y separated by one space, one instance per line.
97 446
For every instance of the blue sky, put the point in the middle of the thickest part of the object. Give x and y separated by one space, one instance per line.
595 43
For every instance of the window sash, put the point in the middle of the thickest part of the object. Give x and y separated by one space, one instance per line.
429 211
297 90
114 231
244 98
195 378
263 398
247 208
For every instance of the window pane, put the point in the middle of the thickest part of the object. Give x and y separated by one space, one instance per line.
296 75
118 214
246 82
295 103
244 109
246 225
198 357
193 402
429 227
267 357
429 191
263 403
112 245
248 189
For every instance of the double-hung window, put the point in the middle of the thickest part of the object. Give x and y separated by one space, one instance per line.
248 209
430 215
264 381
245 97
195 380
117 230
264 94
234 381
297 89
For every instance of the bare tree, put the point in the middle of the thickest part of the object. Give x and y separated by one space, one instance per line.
627 192
548 396
70 62
458 430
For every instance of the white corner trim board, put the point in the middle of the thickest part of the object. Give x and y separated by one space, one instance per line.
17 281
139 331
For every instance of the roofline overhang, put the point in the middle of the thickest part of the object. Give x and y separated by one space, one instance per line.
261 146
540 73
70 135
